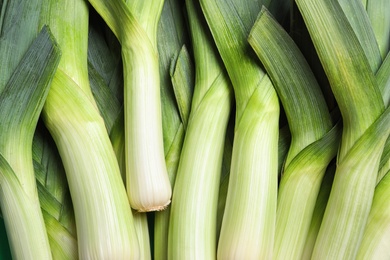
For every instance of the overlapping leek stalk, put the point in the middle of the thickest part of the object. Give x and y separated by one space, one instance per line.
313 145
361 25
375 241
383 80
318 212
356 92
104 220
54 196
248 223
135 25
27 87
378 13
193 218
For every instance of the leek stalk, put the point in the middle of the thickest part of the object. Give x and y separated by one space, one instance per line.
248 223
378 13
375 242
104 220
193 235
135 25
312 144
28 87
354 86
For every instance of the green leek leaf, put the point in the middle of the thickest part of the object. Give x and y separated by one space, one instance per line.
361 25
28 87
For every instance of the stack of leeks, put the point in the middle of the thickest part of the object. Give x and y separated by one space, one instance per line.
210 129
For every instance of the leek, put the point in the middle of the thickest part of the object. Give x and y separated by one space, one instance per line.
193 221
135 25
248 223
28 87
312 144
104 220
54 197
318 212
354 87
375 241
378 13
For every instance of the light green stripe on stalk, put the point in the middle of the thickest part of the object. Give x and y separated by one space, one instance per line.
375 243
312 148
148 185
360 103
298 191
104 220
361 25
318 212
378 13
248 224
340 239
27 87
162 218
193 218
142 229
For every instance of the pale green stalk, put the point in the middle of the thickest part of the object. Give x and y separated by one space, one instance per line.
313 145
248 224
104 220
142 229
27 87
375 243
355 89
193 218
378 13
374 137
161 222
318 212
135 25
